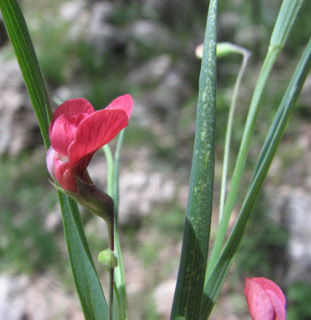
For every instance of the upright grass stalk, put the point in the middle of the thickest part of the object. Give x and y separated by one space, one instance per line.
284 23
215 280
188 293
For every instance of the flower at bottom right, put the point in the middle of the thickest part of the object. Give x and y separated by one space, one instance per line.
265 299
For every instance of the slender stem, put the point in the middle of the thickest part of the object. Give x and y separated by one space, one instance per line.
111 276
117 296
116 173
113 190
246 55
119 270
243 152
110 169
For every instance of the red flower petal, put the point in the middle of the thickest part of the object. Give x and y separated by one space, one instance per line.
265 299
72 107
63 131
95 131
269 285
124 103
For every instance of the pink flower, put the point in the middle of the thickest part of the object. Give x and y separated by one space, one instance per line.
77 131
265 299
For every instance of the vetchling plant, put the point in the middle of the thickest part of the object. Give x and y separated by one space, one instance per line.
76 131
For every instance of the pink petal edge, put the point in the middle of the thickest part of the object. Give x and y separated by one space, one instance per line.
124 103
265 299
95 131
73 107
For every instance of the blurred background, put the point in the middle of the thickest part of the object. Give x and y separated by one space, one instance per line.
99 50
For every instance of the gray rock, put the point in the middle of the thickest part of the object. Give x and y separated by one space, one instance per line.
149 33
18 124
22 297
152 71
298 212
76 15
70 11
140 191
163 298
102 34
171 91
291 208
11 305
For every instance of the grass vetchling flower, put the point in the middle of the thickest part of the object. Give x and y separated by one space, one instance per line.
265 299
77 131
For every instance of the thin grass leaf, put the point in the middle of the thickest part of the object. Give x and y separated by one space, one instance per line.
277 128
87 283
89 289
188 293
286 17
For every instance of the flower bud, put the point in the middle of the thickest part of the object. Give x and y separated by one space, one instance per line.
108 259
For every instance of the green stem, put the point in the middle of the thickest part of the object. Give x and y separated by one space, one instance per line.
116 172
111 273
243 152
119 270
110 169
246 55
113 191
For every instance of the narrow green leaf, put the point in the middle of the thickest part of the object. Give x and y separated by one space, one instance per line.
28 62
188 293
88 286
218 275
85 276
284 23
287 14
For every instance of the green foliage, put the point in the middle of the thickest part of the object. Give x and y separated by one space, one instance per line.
298 297
24 198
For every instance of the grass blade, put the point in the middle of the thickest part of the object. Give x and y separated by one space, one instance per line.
188 293
89 289
218 275
88 286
